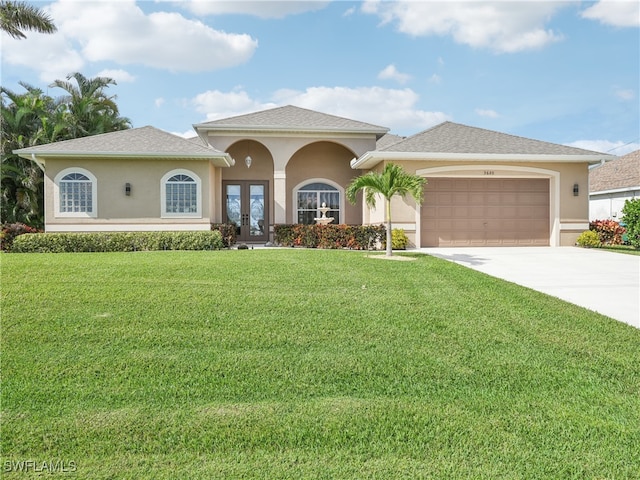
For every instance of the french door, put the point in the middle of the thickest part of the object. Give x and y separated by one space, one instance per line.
246 205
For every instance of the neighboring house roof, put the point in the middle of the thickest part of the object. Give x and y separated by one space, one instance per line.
290 118
148 142
619 174
454 141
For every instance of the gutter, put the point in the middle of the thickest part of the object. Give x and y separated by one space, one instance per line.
370 159
226 159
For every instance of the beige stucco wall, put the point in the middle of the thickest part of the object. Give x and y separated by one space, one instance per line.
113 206
322 161
283 145
569 214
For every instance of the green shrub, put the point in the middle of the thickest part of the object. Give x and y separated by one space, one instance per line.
588 238
399 239
117 242
228 232
609 231
631 217
356 237
10 231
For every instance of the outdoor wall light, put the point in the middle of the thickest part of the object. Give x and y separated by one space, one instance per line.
576 189
248 159
127 189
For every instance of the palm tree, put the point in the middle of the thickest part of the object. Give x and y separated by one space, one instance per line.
21 181
90 110
18 16
392 181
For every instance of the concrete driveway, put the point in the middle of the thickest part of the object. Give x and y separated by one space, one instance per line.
602 281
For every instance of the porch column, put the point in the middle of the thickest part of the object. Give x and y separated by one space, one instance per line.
280 197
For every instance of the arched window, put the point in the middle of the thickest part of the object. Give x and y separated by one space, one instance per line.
181 194
311 196
75 193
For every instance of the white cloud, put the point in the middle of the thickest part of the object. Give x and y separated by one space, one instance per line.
503 27
390 72
625 93
52 55
119 76
122 33
349 12
606 146
487 113
618 13
158 102
215 104
188 134
391 108
261 9
435 78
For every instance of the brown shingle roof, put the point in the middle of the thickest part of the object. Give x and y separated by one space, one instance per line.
623 172
293 118
449 137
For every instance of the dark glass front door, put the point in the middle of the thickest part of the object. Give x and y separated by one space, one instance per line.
247 207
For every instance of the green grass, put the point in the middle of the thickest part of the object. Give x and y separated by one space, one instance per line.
628 249
307 364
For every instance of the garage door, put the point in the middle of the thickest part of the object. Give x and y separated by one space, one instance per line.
485 212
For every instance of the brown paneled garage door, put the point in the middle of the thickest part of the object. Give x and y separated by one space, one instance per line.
485 212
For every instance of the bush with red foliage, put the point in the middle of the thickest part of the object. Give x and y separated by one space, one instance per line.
609 231
10 231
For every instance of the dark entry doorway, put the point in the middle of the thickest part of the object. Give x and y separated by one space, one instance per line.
246 206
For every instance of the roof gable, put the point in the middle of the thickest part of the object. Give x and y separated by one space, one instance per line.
623 172
455 138
294 119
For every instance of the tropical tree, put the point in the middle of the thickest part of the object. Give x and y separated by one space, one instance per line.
21 181
393 180
90 111
18 16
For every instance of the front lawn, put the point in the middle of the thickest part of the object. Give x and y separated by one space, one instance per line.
628 249
305 364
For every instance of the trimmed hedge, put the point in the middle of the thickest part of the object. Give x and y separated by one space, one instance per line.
117 242
356 237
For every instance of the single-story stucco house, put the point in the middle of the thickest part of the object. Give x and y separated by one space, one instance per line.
279 165
612 184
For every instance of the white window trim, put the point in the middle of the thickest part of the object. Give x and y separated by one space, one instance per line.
94 193
163 196
294 212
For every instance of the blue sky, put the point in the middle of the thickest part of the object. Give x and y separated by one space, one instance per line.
565 72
